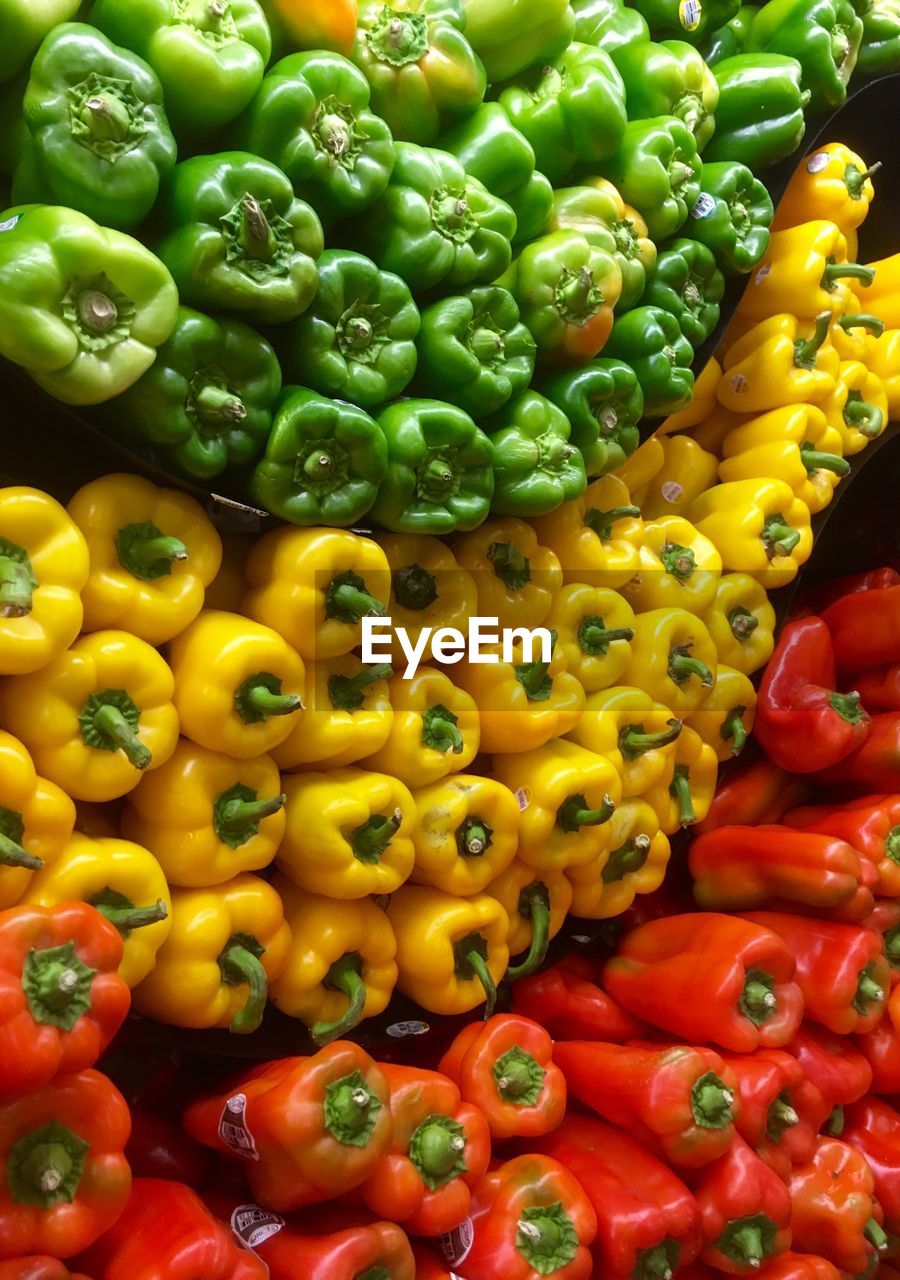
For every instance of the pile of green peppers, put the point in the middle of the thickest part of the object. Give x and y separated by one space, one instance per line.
442 272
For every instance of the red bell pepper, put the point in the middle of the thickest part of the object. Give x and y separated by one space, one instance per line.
802 722
837 1069
841 970
309 1128
505 1068
429 1266
753 792
531 1219
709 978
871 824
879 689
819 598
864 629
571 1004
781 1110
738 868
799 1266
648 1223
681 1102
874 766
63 1175
745 1211
158 1148
38 1269
881 1049
61 997
441 1146
873 1129
835 1212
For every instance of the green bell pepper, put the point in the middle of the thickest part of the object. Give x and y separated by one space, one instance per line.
731 38
879 53
323 463
609 24
823 35
511 35
536 469
491 149
759 119
210 55
604 403
208 402
732 215
669 79
439 475
651 342
572 111
436 226
99 140
690 20
82 308
421 67
657 170
236 238
312 118
687 283
357 341
25 23
474 350
598 212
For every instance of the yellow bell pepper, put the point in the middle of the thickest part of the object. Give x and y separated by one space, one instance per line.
348 715
435 730
701 405
537 903
805 271
794 444
673 658
96 717
567 796
850 332
726 717
834 182
883 295
857 409
229 586
516 579
451 952
225 945
594 630
152 551
313 586
348 833
883 359
741 622
715 427
124 882
679 568
429 588
36 820
636 734
596 536
640 467
636 863
465 834
206 817
238 684
688 469
43 567
687 797
341 966
780 361
523 703
98 820
758 526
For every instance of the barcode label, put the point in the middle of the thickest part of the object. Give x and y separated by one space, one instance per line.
233 1128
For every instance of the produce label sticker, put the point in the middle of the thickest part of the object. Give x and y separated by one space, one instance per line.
672 491
456 1245
523 795
400 1030
10 222
253 1225
762 274
233 1128
738 384
817 162
704 206
689 14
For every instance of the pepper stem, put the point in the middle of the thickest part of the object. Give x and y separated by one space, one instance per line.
862 416
781 1116
534 905
111 724
748 1240
17 584
440 732
437 1151
868 991
734 730
814 460
711 1102
573 813
414 587
594 638
511 566
124 915
471 955
519 1077
239 963
758 1001
216 405
57 985
680 791
351 1109
862 320
602 521
855 178
347 692
633 741
257 240
546 1238
13 855
682 666
628 858
779 539
846 271
44 1168
876 1235
345 976
107 117
658 1262
742 622
535 678
677 560
239 816
360 604
806 349
146 552
834 1124
260 697
474 837
847 706
370 840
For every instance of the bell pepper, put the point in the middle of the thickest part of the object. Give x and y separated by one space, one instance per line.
668 19
757 526
511 36
657 170
567 796
236 684
702 405
686 799
209 400
853 334
716 425
36 820
465 834
884 919
349 715
636 863
672 658
743 970
879 688
530 1219
505 1068
516 578
88 105
66 1180
604 402
322 24
340 966
805 271
152 554
834 182
105 304
337 1252
838 1070
757 791
745 1211
636 734
474 351
726 717
38 1268
596 537
568 1003
779 361
819 598
651 342
669 79
429 588
594 629
861 630
537 904
872 1128
781 1110
830 33
647 1220
881 359
686 282
834 1210
841 970
879 53
608 24
871 825
687 471
535 467
881 1047
596 211
878 293
25 28
759 115
435 730
794 444
678 568
732 216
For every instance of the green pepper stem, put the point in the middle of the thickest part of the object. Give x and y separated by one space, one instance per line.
862 320
806 349
711 1101
834 1123
778 537
473 837
16 587
440 732
734 730
679 174
130 917
350 600
814 460
370 840
682 666
216 405
534 903
267 704
876 1235
847 706
742 622
628 858
256 238
237 815
344 976
13 855
658 1262
680 791
847 271
238 965
781 1116
107 117
594 638
868 991
347 692
758 1001
46 1165
511 566
112 724
414 587
677 560
436 478
319 465
633 741
862 416
573 813
546 1238
486 345
855 178
747 1245
602 521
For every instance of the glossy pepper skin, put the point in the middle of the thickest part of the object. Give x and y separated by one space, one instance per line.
635 733
26 27
881 1050
512 36
348 715
869 824
860 629
744 970
66 1179
673 658
597 536
854 334
636 863
657 170
837 1069
669 79
733 221
537 903
516 577
594 629
745 1211
333 1254
535 467
38 1268
805 271
678 568
834 181
781 1110
831 32
651 342
686 282
597 211
858 407
879 52
604 402
834 1211
571 1006
758 526
872 766
435 731
36 820
728 714
880 687
881 357
759 116
741 623
779 361
871 1127
465 833
687 470
795 444
687 797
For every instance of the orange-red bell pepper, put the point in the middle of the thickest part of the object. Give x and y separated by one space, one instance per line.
870 824
781 1110
745 1210
834 1210
569 1002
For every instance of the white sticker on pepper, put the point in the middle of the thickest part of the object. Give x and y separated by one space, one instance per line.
253 1225
233 1128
